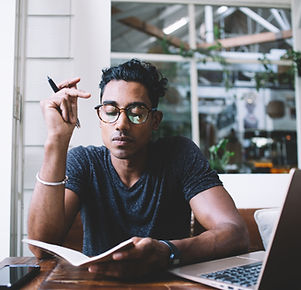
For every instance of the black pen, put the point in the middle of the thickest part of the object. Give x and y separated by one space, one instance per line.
56 89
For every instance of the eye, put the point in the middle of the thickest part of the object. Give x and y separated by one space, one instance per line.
137 111
110 110
137 114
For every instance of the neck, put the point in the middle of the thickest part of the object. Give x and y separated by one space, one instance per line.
130 170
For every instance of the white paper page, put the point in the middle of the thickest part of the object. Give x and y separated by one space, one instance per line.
74 257
77 258
108 253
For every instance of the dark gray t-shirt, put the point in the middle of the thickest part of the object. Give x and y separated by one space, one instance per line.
156 206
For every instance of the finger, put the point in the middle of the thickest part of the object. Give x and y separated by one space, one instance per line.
141 246
64 110
77 93
72 95
69 103
117 270
70 109
73 108
69 83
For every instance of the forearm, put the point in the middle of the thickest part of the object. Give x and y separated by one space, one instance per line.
46 220
51 212
150 255
225 240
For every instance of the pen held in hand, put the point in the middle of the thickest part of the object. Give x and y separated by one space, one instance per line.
56 89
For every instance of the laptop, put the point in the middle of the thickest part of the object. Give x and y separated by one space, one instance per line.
277 268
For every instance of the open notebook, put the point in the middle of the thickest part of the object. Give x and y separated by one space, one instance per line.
77 258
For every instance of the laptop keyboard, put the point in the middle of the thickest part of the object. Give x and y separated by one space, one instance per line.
246 275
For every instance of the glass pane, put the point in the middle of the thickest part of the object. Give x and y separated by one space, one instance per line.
260 124
242 28
176 105
251 105
140 27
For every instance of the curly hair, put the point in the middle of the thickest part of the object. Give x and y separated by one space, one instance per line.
137 71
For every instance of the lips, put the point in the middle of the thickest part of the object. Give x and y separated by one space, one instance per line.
122 140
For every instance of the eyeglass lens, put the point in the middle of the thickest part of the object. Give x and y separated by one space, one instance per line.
136 114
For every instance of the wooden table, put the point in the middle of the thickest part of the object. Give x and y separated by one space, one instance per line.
56 274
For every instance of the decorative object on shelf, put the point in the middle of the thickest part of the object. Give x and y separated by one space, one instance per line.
275 109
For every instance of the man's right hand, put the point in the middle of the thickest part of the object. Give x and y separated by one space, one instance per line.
60 110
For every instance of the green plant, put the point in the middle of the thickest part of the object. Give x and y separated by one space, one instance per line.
295 56
268 77
202 55
219 155
263 79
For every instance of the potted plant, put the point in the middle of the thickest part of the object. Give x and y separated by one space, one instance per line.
219 156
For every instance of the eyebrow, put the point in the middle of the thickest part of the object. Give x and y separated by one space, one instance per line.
130 104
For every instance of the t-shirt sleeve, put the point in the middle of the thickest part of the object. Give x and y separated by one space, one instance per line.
77 170
196 173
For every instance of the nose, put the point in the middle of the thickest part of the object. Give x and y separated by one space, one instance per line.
122 123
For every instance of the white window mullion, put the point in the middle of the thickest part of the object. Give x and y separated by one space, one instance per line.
296 25
193 78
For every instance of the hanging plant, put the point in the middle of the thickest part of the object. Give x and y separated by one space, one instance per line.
295 56
262 79
202 55
268 77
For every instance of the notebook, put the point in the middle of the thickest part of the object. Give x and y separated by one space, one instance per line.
277 268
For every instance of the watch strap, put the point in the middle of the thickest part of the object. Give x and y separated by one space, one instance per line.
174 253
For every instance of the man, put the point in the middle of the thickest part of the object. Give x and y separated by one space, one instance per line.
131 186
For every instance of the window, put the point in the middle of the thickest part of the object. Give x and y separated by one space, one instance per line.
234 85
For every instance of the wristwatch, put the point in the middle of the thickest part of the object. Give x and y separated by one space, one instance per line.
174 253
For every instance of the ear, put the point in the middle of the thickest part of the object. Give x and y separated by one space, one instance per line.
156 120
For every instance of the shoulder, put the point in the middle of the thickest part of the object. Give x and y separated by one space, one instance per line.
175 143
178 147
177 150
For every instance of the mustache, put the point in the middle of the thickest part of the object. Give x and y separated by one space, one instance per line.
122 136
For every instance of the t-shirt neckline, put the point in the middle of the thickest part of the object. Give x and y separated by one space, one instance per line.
117 180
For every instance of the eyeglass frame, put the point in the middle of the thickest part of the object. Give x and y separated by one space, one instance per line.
125 110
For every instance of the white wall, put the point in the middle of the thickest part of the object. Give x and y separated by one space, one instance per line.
256 190
7 49
91 47
64 39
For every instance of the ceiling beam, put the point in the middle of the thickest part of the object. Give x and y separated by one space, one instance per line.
260 20
239 3
280 20
250 39
152 30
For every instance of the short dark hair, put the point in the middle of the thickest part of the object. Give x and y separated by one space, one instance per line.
137 71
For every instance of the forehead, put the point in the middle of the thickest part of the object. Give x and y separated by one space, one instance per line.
123 92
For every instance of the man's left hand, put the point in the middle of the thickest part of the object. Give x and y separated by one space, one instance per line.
146 257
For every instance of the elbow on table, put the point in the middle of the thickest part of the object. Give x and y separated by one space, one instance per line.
243 238
38 253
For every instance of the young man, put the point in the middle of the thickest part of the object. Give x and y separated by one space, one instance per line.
131 186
